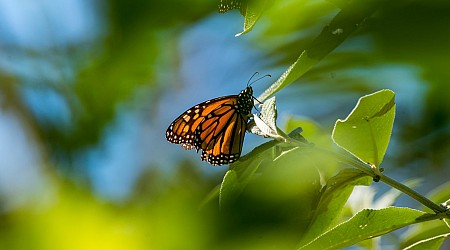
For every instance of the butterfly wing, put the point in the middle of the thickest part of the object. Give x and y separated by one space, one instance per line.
182 129
215 126
221 135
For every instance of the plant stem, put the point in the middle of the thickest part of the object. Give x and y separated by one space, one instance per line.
389 181
367 169
413 194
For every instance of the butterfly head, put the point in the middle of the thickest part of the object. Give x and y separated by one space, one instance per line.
247 91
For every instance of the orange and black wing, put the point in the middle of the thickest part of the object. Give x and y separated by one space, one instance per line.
221 135
215 126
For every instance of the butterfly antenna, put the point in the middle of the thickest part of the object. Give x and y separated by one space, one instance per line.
250 83
249 80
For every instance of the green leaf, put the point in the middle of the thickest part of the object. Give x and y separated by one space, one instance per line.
212 195
429 244
236 179
266 122
343 24
295 71
252 14
430 229
245 171
333 198
228 188
269 112
310 128
366 131
263 129
367 224
260 152
424 231
292 180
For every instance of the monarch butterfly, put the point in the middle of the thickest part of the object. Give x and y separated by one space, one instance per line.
217 127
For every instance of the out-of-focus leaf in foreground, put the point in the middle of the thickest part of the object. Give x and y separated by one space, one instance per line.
332 199
332 35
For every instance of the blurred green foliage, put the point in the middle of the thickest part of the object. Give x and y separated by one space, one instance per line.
273 211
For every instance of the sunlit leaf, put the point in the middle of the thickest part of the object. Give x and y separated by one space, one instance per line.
423 231
269 112
262 128
266 121
429 229
366 131
252 14
433 243
226 5
250 9
366 224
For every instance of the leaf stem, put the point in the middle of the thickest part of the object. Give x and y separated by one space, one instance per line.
389 181
369 171
413 194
